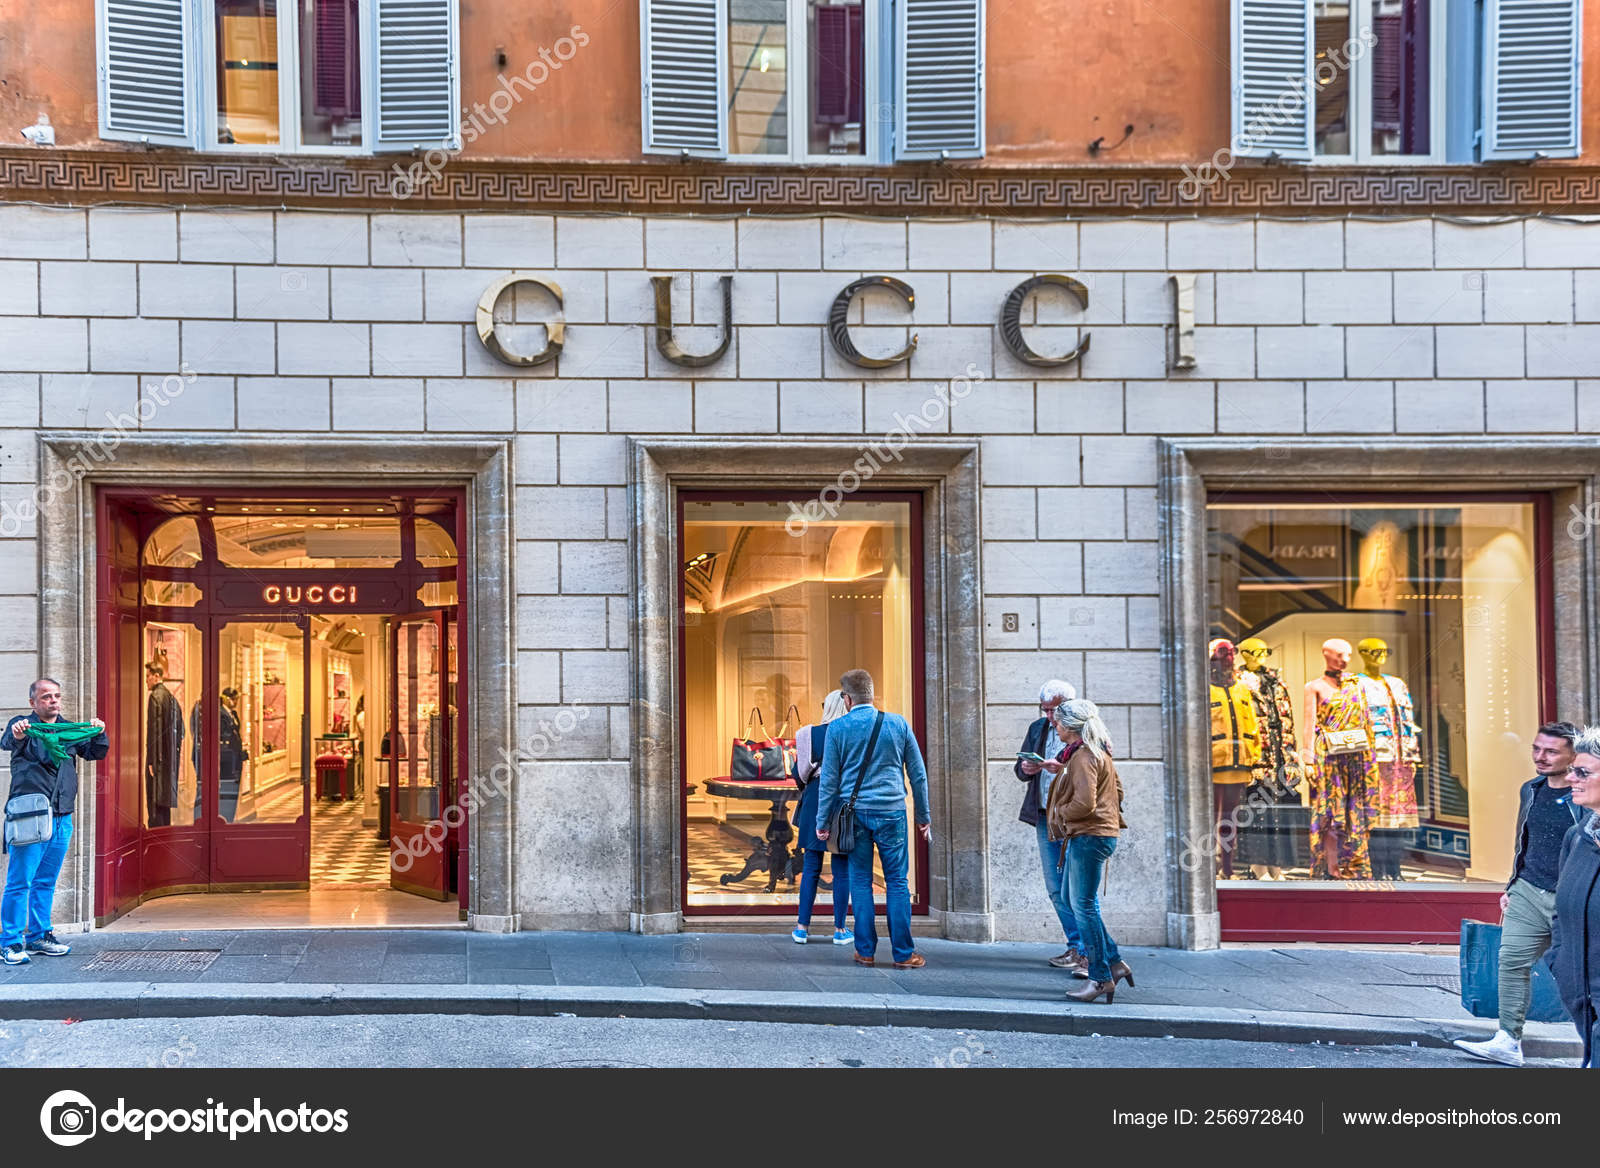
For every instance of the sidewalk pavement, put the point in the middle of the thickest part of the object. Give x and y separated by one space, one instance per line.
1394 995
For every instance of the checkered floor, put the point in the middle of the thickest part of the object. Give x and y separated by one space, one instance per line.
344 854
715 849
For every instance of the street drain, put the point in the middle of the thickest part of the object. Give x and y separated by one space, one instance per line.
153 961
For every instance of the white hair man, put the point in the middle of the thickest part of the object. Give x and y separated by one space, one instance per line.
1042 742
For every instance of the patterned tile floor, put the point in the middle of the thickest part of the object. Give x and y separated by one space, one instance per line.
344 854
716 849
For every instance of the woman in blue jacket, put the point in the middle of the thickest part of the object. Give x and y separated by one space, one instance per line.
1575 955
808 743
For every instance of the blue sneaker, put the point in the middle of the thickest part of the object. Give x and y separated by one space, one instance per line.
15 955
48 946
843 937
799 935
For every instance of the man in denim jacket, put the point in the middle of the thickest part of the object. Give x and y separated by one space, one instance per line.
880 811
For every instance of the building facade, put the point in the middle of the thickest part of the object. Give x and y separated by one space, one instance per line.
502 428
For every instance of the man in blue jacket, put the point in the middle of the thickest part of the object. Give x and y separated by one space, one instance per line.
880 810
32 869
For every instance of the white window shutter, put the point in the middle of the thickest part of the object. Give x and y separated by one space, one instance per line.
416 71
147 71
939 91
1532 79
685 77
1273 95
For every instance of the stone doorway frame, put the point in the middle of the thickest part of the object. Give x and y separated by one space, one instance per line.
68 476
1566 468
946 473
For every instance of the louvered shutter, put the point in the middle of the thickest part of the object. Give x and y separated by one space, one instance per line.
1273 100
939 92
147 71
685 76
1532 79
415 71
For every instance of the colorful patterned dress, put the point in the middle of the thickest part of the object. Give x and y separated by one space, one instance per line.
1344 795
1396 749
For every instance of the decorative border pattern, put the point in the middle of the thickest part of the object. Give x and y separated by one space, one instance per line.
101 176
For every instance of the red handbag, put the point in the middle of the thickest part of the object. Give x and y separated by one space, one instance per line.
762 758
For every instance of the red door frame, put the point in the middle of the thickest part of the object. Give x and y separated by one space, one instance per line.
1384 911
123 865
427 872
918 719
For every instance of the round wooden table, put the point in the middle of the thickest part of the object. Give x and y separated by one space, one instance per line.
770 855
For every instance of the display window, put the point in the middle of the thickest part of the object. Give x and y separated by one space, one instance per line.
774 611
1378 670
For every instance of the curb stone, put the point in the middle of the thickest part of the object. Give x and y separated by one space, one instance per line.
189 1000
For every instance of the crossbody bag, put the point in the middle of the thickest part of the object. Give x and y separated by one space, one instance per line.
28 821
842 826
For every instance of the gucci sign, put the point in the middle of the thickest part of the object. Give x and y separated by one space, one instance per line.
308 594
1182 355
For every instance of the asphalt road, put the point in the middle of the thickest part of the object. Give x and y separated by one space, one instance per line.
438 1040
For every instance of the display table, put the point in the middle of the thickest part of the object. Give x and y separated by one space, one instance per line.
770 855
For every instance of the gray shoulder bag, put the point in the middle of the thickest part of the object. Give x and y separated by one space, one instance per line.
28 821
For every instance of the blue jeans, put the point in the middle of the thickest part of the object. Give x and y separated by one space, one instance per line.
31 886
888 832
840 868
1086 861
1050 861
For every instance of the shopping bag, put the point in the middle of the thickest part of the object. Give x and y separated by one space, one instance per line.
1480 977
757 757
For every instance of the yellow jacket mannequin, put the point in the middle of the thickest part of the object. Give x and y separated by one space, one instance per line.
1235 730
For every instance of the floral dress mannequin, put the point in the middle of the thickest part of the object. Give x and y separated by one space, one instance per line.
1344 798
1396 753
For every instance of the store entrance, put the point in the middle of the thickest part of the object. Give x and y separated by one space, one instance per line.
281 678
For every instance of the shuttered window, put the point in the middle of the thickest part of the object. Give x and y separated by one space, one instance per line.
415 64
147 71
1272 78
685 71
1532 79
939 111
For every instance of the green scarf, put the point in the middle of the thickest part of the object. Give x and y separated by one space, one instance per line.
57 736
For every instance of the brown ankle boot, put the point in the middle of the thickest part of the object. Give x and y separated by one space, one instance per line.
1122 971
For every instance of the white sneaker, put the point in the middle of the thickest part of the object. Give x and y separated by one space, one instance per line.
1502 1048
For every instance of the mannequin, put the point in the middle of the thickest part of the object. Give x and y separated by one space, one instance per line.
1345 791
1235 747
1273 839
1396 751
1335 656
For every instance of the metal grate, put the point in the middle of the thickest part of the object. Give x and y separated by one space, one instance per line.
153 960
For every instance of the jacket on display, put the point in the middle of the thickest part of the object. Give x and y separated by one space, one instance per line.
1280 767
163 743
1086 797
1235 733
1575 953
1389 701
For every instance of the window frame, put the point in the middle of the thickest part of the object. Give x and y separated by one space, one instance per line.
1360 72
289 105
798 96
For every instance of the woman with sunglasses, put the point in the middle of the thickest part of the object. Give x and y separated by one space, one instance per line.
1575 955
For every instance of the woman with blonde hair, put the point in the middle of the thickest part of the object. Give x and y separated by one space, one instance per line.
1085 812
808 744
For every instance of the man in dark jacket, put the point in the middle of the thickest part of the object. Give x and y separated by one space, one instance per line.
31 869
1575 957
1528 905
163 742
1041 740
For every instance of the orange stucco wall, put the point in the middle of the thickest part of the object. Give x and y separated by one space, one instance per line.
1061 74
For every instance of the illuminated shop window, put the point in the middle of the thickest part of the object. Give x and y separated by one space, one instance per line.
773 615
1375 688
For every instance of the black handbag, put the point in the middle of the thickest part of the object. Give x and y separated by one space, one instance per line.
842 827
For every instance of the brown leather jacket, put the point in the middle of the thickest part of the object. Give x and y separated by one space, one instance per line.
1086 798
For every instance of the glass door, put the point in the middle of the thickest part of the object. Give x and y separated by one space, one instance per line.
421 755
254 735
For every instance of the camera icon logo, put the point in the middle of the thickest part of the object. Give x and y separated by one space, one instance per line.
292 282
68 1118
